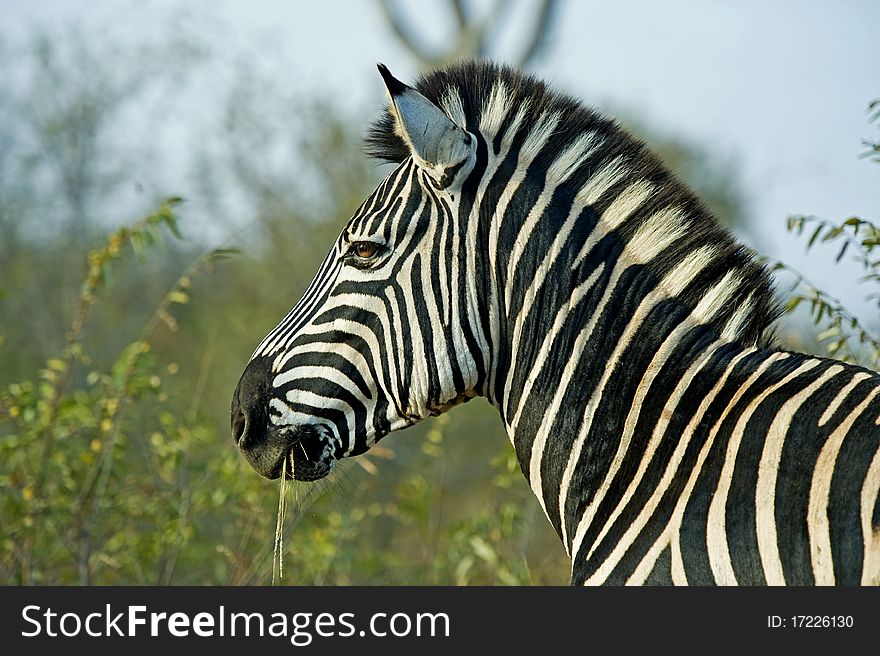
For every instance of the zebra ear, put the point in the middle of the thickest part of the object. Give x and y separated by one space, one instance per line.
440 147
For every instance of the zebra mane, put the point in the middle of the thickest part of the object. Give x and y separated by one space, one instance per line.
469 93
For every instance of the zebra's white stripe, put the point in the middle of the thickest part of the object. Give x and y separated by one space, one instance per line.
538 136
573 157
459 346
768 468
346 351
601 181
841 397
734 325
719 550
660 231
331 374
629 200
717 297
401 216
679 576
870 534
396 313
443 265
818 527
495 110
419 384
306 397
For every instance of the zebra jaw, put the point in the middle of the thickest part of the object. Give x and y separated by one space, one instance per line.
451 403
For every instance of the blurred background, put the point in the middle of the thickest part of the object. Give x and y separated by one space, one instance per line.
172 174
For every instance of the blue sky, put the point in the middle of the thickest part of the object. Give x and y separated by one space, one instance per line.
778 87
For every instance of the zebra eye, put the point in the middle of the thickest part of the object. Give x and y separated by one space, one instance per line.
364 249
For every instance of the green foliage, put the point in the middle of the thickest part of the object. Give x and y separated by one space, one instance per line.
81 462
105 479
873 146
842 334
416 528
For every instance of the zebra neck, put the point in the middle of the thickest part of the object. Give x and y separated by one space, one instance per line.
572 454
603 371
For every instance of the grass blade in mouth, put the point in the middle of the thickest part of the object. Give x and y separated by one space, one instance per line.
278 552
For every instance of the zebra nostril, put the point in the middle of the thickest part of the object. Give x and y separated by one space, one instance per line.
239 427
250 416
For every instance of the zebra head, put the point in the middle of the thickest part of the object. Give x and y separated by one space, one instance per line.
377 341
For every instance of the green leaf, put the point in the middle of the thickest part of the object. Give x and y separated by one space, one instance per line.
223 253
173 227
178 297
814 237
832 234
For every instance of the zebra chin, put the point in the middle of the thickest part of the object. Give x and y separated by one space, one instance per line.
301 453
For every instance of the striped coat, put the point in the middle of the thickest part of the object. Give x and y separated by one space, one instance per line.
528 250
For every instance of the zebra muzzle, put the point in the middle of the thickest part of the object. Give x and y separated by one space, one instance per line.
306 448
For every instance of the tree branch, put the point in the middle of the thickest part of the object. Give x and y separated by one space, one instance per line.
404 35
546 15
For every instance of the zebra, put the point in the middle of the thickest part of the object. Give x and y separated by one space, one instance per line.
528 250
